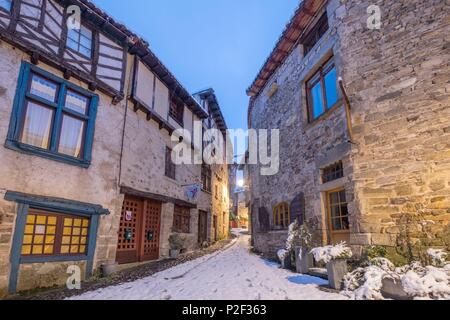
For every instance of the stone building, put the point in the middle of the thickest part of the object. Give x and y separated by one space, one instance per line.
87 113
364 160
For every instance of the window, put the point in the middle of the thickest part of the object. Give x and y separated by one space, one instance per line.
315 34
176 111
54 234
52 118
80 40
181 219
333 172
281 215
206 178
322 91
338 211
170 166
6 4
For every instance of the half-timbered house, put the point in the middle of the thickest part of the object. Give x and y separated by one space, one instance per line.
87 112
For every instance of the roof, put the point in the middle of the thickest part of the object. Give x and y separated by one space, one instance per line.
214 106
286 43
138 46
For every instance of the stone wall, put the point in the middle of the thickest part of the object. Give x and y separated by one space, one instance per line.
398 81
397 169
269 243
305 148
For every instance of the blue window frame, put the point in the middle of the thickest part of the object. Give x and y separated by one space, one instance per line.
52 118
6 5
27 206
322 90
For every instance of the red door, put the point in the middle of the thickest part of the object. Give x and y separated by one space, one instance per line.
152 223
138 231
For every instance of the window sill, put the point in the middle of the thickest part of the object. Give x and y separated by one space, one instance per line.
31 150
43 259
324 116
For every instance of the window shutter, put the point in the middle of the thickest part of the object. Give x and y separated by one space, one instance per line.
264 222
298 208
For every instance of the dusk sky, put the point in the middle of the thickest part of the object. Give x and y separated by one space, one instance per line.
209 43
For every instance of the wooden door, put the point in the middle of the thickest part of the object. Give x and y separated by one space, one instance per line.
215 231
202 226
151 226
130 230
338 217
139 231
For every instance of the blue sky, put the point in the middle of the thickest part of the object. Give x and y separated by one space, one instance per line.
209 43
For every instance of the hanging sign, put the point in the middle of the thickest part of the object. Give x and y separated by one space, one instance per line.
193 191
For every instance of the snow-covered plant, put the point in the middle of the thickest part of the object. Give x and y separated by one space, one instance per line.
438 257
305 236
432 283
293 235
282 254
329 253
417 281
382 263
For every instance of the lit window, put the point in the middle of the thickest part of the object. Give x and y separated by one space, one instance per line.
322 91
54 234
80 40
281 215
53 117
6 4
338 211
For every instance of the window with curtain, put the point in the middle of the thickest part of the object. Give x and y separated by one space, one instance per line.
281 216
322 90
6 4
48 233
54 117
80 40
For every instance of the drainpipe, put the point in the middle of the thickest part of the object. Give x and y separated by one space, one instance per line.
347 109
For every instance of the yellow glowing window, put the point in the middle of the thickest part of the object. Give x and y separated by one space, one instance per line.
54 234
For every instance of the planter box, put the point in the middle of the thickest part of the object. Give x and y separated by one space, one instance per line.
286 262
393 289
336 270
304 262
109 269
174 253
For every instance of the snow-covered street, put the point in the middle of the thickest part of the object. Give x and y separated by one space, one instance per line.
231 274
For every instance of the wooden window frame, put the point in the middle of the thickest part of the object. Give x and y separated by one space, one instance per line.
93 35
310 40
340 203
282 215
23 95
319 77
170 168
176 110
333 172
181 220
59 234
206 174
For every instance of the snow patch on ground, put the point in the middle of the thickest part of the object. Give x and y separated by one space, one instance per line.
233 274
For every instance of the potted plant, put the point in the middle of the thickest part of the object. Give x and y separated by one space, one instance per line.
303 258
335 258
176 245
285 258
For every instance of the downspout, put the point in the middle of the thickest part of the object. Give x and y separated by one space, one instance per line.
348 114
130 77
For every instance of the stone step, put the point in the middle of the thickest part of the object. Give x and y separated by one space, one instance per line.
319 273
